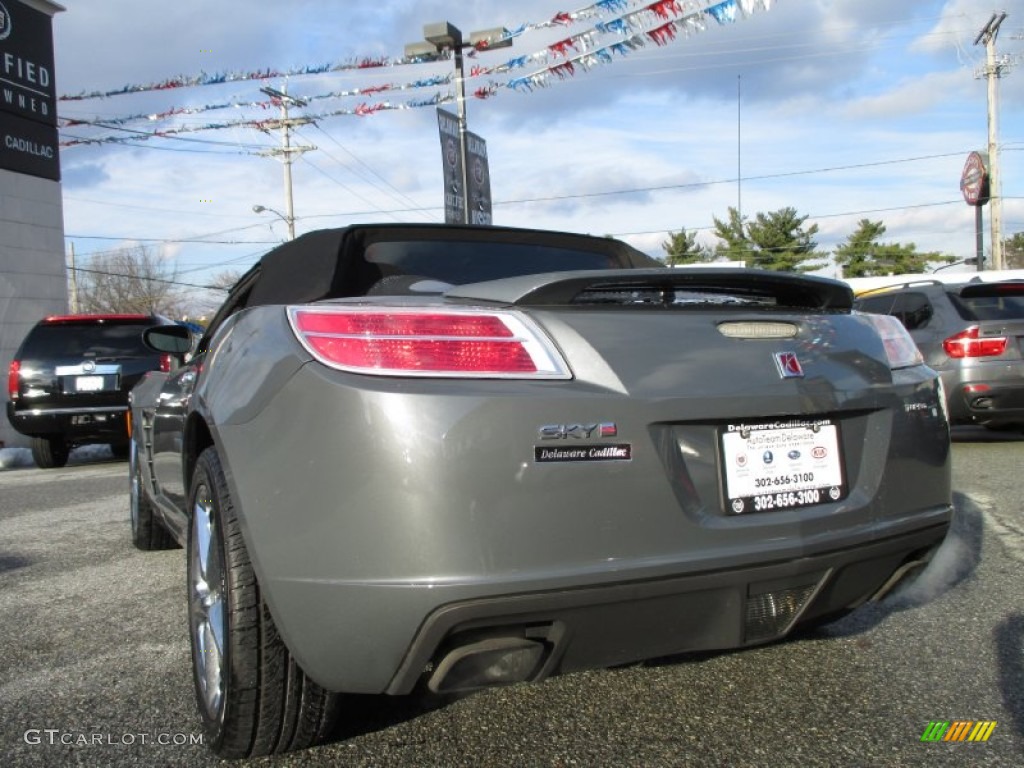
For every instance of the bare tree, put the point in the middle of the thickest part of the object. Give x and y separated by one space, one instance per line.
225 280
203 302
131 280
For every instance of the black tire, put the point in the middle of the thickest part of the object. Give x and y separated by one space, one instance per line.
120 450
253 699
50 452
148 533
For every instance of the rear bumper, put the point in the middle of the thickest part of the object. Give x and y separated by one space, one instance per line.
372 638
986 402
101 424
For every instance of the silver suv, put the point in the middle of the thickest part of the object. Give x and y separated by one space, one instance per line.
971 333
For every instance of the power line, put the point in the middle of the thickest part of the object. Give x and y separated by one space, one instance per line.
171 240
129 206
164 281
659 187
397 192
812 217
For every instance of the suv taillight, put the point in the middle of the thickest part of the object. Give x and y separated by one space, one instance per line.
969 344
441 341
13 379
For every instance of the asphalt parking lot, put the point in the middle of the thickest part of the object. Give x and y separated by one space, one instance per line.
94 659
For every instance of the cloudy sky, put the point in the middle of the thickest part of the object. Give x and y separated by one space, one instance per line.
841 109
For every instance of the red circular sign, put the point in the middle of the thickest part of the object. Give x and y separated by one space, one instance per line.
974 180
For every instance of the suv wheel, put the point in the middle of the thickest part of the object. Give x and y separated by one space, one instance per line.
253 698
50 452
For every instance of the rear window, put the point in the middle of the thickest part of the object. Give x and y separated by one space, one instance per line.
879 305
913 310
92 339
977 303
457 262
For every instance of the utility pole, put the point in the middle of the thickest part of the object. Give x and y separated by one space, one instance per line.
994 69
287 151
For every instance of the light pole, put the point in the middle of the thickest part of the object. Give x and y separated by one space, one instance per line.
289 220
442 36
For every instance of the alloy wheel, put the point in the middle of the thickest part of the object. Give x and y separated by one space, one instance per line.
207 604
133 487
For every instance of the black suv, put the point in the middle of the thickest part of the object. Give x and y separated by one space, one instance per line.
69 381
973 335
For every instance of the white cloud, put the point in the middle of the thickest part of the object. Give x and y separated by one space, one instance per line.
845 91
910 96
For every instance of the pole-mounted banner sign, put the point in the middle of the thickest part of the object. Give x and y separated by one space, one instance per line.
974 179
451 166
479 180
478 176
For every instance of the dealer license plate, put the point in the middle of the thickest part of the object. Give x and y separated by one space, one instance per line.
88 383
781 465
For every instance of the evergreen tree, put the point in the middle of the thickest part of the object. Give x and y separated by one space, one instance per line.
735 245
682 248
776 241
862 255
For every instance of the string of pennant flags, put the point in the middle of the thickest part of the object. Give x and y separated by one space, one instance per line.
440 80
633 25
720 11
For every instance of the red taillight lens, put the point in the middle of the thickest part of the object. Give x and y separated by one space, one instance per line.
428 342
13 379
165 363
900 349
405 325
969 344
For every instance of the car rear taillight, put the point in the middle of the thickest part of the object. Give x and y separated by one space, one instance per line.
165 363
13 379
969 344
900 348
443 342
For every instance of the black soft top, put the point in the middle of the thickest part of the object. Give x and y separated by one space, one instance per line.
332 263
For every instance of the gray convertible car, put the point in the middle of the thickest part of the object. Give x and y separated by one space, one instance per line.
438 458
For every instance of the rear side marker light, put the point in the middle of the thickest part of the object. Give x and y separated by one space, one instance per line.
165 363
430 342
900 348
969 343
13 379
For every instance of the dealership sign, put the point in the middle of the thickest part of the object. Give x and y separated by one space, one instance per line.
28 99
974 179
